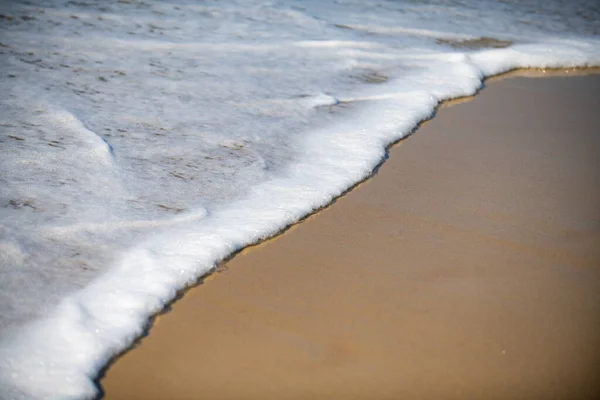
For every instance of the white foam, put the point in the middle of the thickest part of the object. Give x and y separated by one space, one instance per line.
213 148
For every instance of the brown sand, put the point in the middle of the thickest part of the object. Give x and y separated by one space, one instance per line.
467 268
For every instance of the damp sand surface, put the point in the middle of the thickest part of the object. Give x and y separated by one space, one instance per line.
467 267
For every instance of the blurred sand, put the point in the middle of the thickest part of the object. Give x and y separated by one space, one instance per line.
468 267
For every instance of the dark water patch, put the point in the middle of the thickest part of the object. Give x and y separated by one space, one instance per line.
475 44
371 76
342 26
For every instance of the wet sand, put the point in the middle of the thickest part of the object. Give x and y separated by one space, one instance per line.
468 267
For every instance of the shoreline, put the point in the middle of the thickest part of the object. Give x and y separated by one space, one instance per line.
267 241
533 73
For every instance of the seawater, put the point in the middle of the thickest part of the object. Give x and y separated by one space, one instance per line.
144 141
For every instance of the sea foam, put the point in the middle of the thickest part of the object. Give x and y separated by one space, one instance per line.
144 143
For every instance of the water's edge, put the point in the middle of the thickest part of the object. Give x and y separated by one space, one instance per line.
221 265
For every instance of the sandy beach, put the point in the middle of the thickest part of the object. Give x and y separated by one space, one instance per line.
467 267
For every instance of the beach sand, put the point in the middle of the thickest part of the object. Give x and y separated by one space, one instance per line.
468 267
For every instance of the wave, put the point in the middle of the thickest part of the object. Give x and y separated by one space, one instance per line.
183 159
